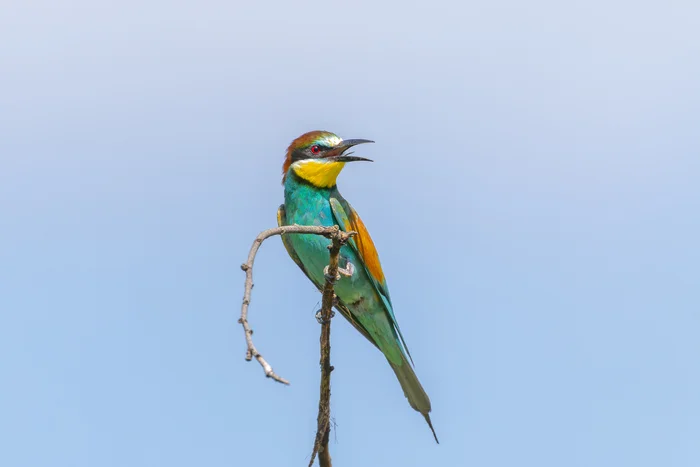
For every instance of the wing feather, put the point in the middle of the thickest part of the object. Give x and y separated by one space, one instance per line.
348 220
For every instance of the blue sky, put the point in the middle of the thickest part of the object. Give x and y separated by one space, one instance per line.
534 199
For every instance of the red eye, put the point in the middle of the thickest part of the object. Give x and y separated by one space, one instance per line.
315 149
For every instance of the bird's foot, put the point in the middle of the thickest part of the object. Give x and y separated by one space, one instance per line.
347 272
330 278
319 316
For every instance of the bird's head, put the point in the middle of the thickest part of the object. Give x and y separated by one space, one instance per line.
319 156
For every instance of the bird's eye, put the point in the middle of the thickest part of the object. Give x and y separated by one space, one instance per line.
315 149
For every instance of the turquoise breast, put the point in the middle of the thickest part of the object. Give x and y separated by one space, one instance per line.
308 205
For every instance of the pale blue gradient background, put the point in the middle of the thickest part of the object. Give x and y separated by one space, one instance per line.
540 159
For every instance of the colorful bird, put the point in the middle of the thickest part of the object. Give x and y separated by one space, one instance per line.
311 197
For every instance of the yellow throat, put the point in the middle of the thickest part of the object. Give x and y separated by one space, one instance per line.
322 174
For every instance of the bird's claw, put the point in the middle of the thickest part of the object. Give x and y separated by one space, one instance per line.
330 278
319 316
347 272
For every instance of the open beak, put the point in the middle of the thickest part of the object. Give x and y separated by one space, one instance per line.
338 152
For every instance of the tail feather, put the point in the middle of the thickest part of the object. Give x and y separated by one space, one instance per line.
413 391
430 424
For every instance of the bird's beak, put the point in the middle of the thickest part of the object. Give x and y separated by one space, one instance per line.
338 152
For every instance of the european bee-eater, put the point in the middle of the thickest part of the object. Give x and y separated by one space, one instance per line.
312 165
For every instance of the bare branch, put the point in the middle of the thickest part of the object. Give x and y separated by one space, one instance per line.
252 351
339 238
324 402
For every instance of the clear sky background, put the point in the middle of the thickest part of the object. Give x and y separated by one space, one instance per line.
535 199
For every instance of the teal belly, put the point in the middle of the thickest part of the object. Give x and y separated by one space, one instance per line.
306 206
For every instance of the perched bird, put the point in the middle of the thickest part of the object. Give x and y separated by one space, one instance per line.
312 164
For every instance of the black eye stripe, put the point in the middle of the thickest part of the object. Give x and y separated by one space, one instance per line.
307 152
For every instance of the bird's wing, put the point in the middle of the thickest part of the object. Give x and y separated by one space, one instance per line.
340 306
281 221
348 220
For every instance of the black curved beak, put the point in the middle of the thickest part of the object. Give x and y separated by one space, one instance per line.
338 152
